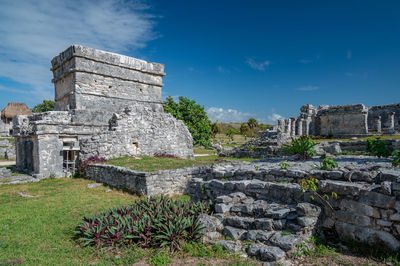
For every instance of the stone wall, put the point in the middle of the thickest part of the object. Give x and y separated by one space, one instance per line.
343 120
86 78
367 208
5 127
7 148
171 182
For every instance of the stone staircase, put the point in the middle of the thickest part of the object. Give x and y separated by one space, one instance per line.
270 229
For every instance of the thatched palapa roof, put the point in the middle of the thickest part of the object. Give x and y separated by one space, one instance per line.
13 109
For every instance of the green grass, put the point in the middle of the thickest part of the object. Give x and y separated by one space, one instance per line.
318 138
151 164
201 150
40 230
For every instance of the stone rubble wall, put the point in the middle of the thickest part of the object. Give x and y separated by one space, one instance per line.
86 78
367 208
140 130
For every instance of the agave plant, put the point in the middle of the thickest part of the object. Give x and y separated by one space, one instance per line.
303 146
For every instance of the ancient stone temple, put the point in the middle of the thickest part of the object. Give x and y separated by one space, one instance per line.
343 121
107 105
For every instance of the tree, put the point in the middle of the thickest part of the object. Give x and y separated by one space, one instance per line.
215 129
47 105
194 117
229 133
244 129
252 123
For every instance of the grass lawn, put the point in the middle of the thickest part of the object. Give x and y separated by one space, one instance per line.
40 230
150 164
362 138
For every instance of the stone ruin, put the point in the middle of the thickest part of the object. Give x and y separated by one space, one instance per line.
342 121
107 105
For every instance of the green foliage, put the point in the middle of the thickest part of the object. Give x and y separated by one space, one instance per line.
303 146
151 222
314 247
244 129
215 129
252 123
47 105
329 163
194 117
284 165
230 133
396 158
250 148
377 147
160 258
310 184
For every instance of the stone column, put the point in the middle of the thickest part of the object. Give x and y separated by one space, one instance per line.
287 126
293 127
306 128
281 126
391 121
299 130
378 124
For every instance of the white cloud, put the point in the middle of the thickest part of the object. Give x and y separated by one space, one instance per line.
349 54
227 115
261 66
306 61
308 88
274 117
235 116
33 32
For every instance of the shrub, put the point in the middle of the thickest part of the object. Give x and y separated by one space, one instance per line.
47 105
151 222
250 148
377 147
194 116
303 146
396 158
91 160
328 163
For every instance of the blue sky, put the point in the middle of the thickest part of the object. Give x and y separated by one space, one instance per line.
239 59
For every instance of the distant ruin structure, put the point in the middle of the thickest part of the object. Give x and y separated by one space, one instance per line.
7 114
107 105
343 121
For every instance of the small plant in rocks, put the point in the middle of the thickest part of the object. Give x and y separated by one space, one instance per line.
149 223
310 184
396 158
377 147
284 165
303 146
329 163
91 160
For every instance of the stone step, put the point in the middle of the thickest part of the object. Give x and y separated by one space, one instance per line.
266 253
